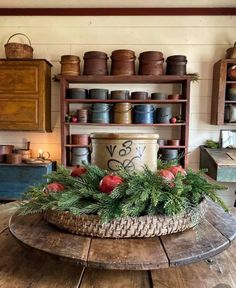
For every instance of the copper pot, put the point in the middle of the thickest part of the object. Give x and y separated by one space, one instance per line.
80 139
26 154
13 158
4 150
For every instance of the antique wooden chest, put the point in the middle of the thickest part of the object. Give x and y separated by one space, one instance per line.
221 163
15 179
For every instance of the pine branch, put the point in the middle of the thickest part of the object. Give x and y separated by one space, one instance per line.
141 193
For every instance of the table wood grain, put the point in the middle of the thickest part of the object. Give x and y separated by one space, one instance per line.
21 268
205 240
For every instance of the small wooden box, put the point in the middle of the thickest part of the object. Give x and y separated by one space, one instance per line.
221 163
15 179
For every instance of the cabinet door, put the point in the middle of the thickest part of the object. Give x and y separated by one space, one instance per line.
24 95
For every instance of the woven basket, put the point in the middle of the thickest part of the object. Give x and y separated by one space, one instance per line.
18 50
129 227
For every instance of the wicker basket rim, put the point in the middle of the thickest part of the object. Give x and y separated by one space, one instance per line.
144 217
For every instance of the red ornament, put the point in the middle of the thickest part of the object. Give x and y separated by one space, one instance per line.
109 182
173 120
74 119
78 171
166 174
54 187
177 169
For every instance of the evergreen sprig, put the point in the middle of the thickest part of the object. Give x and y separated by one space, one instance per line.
141 193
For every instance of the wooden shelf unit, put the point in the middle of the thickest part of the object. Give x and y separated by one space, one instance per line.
219 88
184 101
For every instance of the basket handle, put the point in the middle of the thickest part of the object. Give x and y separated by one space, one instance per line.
19 34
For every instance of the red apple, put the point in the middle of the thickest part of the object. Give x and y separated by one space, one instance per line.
109 182
166 174
74 119
78 171
173 120
177 169
54 187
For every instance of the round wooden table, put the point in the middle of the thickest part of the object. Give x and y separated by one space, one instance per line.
213 235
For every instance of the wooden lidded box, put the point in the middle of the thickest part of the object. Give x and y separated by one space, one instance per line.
221 163
25 95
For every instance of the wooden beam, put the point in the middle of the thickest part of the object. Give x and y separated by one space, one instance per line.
117 11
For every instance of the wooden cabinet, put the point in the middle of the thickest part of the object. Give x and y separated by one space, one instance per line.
183 82
220 88
25 95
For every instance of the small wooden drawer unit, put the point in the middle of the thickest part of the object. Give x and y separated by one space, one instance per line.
25 95
15 179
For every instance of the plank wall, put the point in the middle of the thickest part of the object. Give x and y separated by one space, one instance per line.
203 39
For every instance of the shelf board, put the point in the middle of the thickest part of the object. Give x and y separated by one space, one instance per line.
171 146
78 146
89 146
231 82
132 124
229 123
230 102
165 101
124 79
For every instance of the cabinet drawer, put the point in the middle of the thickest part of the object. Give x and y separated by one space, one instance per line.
19 114
19 80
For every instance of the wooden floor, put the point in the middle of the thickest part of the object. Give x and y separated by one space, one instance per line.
22 268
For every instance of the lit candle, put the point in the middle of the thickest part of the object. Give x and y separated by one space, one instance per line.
40 153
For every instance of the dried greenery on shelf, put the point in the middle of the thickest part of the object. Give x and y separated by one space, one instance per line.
195 77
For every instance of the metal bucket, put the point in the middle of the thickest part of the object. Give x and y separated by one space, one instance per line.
128 151
169 155
144 114
79 156
82 115
122 113
100 113
163 114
